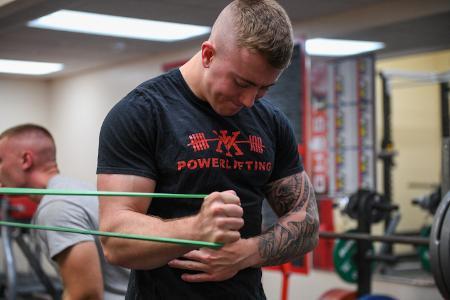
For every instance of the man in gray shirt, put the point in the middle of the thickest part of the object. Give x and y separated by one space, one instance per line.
28 159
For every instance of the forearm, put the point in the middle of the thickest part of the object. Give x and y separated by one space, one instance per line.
287 240
296 231
219 220
295 234
284 242
128 215
144 254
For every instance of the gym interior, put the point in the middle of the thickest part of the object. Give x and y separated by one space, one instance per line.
372 128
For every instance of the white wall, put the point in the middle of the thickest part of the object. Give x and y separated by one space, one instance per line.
80 103
23 101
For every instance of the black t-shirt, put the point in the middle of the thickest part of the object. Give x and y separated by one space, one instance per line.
162 131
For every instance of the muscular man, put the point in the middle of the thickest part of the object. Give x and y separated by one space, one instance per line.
206 128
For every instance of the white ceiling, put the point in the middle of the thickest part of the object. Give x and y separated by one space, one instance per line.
406 26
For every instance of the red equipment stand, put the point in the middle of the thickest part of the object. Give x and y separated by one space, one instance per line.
323 254
300 266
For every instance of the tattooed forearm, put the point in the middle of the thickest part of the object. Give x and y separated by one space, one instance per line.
296 232
284 191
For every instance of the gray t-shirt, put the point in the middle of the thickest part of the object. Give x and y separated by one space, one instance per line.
76 212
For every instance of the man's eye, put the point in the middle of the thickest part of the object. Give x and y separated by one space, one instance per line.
241 84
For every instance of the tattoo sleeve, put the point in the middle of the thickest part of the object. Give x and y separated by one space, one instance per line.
296 231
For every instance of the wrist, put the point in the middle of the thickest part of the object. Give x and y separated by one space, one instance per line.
250 253
189 227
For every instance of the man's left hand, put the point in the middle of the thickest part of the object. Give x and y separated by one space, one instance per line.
212 265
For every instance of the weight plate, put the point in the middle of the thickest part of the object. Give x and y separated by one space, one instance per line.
444 250
437 252
344 263
344 259
362 197
423 250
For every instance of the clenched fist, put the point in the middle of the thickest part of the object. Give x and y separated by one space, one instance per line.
220 218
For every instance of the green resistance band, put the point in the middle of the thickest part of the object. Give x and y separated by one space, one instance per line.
28 191
114 234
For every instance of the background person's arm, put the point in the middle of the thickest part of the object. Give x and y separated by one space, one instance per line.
81 272
219 220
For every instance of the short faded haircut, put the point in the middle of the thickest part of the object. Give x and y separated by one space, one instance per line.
30 131
264 26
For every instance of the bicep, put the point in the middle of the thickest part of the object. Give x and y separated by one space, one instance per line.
124 183
290 194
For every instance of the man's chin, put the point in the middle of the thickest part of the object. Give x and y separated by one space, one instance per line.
227 112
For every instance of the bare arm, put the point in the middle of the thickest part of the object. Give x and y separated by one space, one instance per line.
81 273
219 220
295 234
296 231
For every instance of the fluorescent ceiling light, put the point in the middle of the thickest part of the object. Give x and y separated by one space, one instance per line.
332 47
91 23
28 67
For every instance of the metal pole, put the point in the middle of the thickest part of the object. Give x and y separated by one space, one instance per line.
364 221
445 89
37 268
7 245
445 184
387 147
392 239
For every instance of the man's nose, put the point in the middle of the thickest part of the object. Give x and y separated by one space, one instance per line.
248 97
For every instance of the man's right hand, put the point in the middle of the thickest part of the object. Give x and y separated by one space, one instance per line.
220 218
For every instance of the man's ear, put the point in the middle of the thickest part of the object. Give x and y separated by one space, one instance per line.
27 160
208 53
